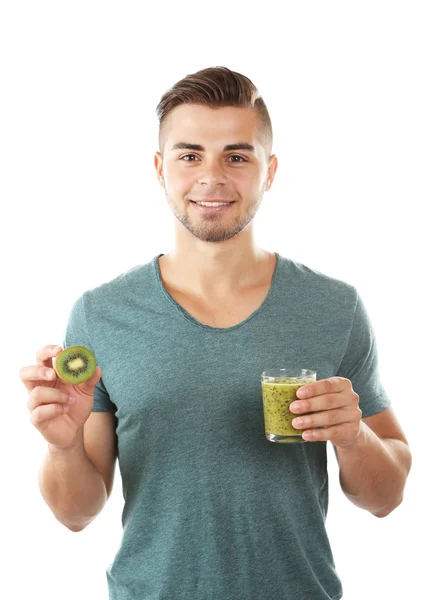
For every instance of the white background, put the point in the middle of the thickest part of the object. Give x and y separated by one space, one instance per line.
81 204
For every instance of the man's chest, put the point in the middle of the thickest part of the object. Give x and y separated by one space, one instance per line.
221 313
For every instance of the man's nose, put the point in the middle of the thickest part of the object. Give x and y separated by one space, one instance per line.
211 173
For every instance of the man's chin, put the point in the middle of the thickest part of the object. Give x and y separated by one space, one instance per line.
213 234
208 230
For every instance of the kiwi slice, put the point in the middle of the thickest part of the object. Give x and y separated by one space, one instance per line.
75 364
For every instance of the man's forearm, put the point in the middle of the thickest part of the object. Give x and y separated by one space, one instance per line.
373 471
71 486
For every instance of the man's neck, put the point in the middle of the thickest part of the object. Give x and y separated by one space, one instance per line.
217 270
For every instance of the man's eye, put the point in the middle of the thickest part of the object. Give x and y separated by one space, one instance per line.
236 156
194 156
186 156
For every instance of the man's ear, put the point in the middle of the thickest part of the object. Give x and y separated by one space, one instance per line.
158 167
273 167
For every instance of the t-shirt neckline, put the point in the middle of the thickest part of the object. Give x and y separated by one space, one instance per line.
184 313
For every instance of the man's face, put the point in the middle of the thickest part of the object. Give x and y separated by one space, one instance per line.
211 171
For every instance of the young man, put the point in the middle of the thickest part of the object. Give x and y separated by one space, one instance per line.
212 508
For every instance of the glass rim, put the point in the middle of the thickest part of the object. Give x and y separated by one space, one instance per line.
290 372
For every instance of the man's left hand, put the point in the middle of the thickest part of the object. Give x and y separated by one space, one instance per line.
334 405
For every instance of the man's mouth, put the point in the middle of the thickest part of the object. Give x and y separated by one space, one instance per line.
214 205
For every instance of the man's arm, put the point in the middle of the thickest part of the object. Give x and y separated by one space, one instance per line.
374 468
373 453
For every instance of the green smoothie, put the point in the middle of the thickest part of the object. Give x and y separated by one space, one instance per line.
277 396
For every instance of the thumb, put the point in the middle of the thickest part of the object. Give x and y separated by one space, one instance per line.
91 383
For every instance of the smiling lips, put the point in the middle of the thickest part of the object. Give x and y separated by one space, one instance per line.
212 201
212 205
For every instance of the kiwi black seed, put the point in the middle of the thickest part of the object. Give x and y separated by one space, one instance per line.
75 364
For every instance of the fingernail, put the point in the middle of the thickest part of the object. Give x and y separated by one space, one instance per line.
72 399
65 408
295 406
49 374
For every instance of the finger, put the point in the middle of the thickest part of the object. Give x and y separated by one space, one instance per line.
33 373
45 355
338 435
47 412
87 386
318 403
324 386
325 418
44 395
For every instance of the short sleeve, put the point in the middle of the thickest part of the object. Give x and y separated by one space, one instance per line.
360 364
77 334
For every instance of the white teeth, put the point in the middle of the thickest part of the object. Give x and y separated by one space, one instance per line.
213 203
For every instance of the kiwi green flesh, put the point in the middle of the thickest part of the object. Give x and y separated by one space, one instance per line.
75 364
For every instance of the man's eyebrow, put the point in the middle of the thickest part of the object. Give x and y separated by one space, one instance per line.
199 148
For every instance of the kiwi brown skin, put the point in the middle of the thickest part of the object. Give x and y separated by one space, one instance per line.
75 364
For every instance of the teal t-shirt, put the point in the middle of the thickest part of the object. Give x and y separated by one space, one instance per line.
213 510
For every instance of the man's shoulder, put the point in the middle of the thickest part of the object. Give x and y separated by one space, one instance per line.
310 289
134 279
304 275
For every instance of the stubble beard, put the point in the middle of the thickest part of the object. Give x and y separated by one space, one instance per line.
210 227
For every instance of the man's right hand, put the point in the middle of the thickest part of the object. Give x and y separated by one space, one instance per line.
53 412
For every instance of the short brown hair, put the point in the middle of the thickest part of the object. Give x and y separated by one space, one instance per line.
216 87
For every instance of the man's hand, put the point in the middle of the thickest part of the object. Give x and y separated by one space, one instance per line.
335 409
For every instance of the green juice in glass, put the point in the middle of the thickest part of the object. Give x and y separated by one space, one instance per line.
279 389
